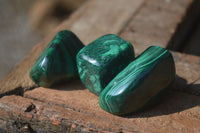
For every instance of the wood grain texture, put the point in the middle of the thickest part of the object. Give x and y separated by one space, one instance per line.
74 104
43 117
155 23
105 17
111 19
177 113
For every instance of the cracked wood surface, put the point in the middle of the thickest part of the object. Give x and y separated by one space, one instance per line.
71 106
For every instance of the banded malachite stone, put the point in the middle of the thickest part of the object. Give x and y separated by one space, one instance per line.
139 83
100 61
58 60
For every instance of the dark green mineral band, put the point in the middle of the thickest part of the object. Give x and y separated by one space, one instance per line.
100 61
139 82
58 60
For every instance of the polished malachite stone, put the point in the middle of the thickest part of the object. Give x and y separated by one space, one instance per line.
100 61
58 60
139 83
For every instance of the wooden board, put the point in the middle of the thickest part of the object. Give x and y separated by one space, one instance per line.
71 107
103 14
155 23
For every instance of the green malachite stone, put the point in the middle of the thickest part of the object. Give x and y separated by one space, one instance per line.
58 60
100 61
139 83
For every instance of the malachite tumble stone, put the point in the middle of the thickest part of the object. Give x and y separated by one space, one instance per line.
58 60
100 61
139 83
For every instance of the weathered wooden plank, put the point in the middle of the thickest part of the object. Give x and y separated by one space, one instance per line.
75 104
42 117
187 71
104 17
179 112
155 23
92 20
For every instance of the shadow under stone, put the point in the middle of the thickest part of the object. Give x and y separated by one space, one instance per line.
177 98
74 84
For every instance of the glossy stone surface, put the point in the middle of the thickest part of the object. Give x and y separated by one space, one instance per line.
58 60
100 61
139 83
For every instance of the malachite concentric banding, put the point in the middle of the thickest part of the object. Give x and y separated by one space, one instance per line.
57 62
100 61
140 82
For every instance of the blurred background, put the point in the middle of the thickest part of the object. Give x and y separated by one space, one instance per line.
23 23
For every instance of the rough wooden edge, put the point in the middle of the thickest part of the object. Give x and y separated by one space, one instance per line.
40 46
